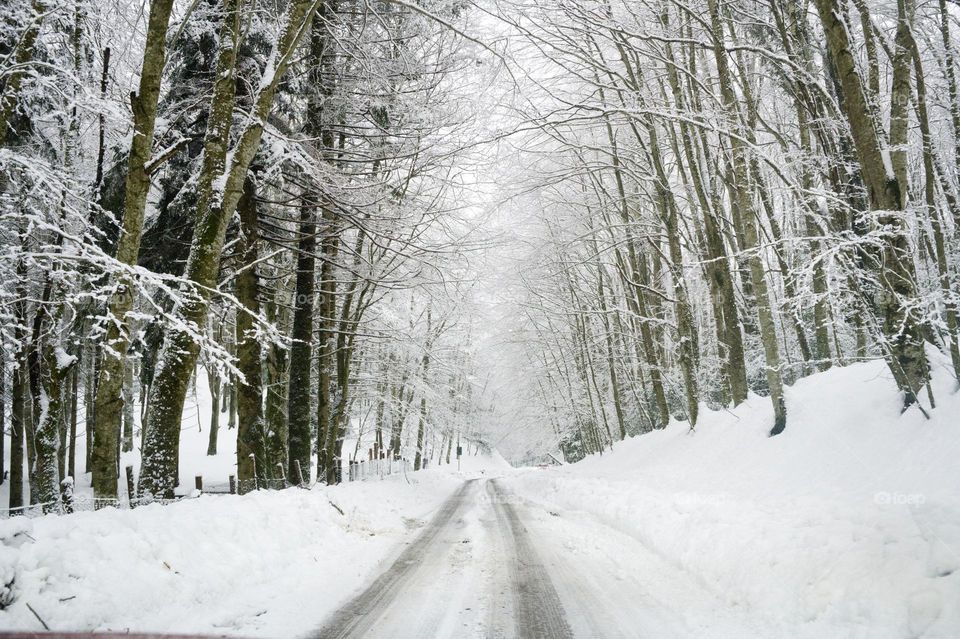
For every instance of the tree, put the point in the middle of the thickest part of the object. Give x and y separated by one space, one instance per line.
220 188
887 195
108 406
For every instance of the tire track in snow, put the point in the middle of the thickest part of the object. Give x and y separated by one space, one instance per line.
539 612
359 615
438 588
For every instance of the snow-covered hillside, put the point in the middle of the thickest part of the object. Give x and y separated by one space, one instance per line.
845 525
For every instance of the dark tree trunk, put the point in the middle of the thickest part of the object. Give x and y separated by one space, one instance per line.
18 417
213 381
72 443
3 416
251 447
301 352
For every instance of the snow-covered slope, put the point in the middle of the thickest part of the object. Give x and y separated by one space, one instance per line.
846 525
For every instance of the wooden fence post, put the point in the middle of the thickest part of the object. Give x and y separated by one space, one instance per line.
233 484
130 493
296 466
198 482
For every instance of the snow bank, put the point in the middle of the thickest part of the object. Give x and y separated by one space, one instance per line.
271 563
846 525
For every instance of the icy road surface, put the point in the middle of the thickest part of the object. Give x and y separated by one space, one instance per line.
490 564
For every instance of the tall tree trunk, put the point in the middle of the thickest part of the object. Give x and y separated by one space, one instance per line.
301 351
608 340
950 70
38 399
380 399
20 393
275 411
108 408
403 399
351 312
129 405
933 214
72 439
55 366
90 395
251 447
327 460
213 381
425 380
900 97
18 421
686 331
3 417
820 305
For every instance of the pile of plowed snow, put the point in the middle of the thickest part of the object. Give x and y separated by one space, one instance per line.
271 563
845 525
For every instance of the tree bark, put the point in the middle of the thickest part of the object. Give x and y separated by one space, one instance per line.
3 417
686 331
933 213
425 369
213 381
719 277
109 402
951 75
301 351
251 447
900 97
20 392
56 365
327 393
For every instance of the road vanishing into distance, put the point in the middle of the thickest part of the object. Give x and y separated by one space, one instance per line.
490 564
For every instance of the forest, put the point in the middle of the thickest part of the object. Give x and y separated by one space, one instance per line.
544 226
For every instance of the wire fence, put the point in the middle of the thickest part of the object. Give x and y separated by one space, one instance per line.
367 469
79 503
70 503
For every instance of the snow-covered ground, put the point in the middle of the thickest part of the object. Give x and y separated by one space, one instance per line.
845 525
271 563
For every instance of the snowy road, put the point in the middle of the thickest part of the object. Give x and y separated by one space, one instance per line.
490 564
